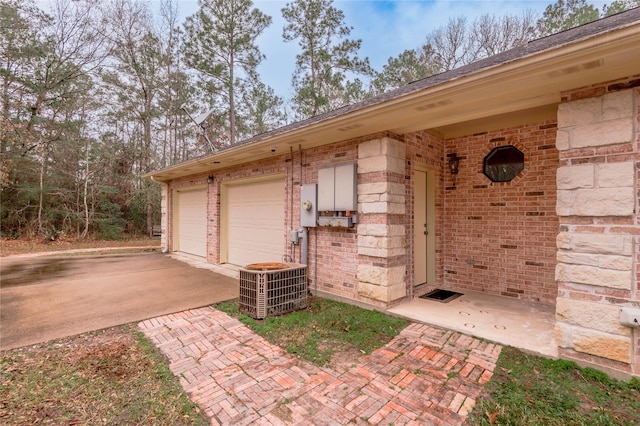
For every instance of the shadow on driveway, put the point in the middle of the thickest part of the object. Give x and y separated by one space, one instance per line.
48 298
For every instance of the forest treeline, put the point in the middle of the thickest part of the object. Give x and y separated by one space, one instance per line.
94 94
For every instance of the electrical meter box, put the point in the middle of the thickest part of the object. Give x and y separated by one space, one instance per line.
309 205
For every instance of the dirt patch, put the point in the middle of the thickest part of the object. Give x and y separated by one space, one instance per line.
105 377
37 245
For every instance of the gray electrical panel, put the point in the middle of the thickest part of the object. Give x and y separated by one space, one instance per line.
337 188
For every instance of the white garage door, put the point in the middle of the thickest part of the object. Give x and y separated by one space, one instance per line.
255 221
192 222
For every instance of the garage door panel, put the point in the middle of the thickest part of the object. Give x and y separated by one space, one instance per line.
255 222
192 222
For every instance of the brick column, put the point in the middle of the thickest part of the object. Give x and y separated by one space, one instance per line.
381 229
596 206
164 217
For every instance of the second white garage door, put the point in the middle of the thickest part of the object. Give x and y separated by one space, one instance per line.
255 222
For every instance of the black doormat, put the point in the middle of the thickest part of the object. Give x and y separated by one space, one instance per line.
440 295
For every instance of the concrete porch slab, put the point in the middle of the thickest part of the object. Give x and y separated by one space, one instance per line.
525 325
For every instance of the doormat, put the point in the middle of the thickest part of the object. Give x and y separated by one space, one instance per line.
443 296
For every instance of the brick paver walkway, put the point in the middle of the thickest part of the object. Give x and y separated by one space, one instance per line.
425 375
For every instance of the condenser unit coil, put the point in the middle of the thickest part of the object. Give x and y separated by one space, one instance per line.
271 289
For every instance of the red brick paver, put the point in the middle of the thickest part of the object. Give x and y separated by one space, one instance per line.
426 375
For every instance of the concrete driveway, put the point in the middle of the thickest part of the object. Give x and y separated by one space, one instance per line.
46 298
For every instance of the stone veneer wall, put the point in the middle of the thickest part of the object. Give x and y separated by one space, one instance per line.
382 213
597 246
499 237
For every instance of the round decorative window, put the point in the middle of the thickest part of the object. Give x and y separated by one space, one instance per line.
503 163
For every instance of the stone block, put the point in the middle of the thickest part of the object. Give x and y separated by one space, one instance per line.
611 106
373 291
592 315
397 291
397 189
372 275
563 138
369 241
576 177
617 105
620 263
368 198
614 175
615 244
596 202
373 188
563 273
617 348
378 207
602 133
396 165
384 284
372 164
393 148
580 112
593 342
380 252
393 198
601 277
562 335
397 208
372 148
373 229
380 155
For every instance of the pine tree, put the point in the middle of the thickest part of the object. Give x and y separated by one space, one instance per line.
327 56
221 44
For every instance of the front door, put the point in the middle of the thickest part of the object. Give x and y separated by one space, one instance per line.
423 228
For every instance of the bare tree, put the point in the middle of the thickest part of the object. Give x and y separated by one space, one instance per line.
452 45
495 34
134 73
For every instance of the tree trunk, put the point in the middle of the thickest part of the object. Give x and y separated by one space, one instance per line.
41 193
232 104
85 191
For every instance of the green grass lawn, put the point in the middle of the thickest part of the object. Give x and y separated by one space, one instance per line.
531 390
326 331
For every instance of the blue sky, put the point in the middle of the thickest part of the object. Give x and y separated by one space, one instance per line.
386 28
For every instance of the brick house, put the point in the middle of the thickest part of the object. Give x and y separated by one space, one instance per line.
515 176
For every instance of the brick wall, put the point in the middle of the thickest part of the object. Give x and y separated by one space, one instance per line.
499 238
332 251
425 150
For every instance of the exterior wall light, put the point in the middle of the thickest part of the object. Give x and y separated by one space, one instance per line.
454 162
210 179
